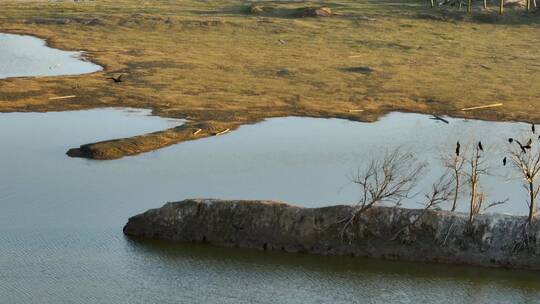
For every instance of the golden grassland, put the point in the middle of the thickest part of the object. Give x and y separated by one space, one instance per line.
217 64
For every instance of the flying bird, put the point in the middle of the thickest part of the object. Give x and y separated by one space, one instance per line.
480 146
504 161
54 66
116 79
436 117
458 146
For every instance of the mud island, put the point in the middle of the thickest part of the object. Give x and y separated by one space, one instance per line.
381 232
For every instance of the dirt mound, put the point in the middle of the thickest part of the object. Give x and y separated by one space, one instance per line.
256 9
316 12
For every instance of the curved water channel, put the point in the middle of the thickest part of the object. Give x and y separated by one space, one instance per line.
27 56
61 218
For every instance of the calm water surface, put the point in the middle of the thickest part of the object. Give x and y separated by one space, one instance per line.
22 56
61 218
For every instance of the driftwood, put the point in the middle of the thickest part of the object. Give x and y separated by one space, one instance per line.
62 97
483 107
223 132
197 132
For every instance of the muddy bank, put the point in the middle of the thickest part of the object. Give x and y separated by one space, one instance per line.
121 147
388 233
118 148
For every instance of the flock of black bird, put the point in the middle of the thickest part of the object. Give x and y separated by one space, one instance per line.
523 147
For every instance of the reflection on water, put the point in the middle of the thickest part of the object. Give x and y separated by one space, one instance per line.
100 266
61 218
22 56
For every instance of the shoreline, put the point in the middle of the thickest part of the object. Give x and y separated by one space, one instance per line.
217 82
492 240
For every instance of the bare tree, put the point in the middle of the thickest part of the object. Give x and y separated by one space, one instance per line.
441 191
477 168
454 163
388 180
525 159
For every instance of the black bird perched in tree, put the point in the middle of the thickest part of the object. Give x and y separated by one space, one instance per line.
510 140
116 79
533 129
480 146
522 147
529 144
458 146
504 161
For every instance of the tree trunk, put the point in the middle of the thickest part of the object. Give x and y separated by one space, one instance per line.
528 5
454 205
431 3
485 4
469 5
532 203
501 7
473 202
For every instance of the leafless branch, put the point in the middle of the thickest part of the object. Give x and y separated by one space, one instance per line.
525 159
455 163
477 168
497 203
389 180
441 191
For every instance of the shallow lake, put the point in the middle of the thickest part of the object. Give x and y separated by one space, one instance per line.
25 56
61 218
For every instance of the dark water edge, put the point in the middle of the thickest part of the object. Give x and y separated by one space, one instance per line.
101 266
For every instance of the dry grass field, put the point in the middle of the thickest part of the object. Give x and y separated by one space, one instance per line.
221 63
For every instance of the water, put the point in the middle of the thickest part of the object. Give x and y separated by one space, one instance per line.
61 218
23 56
